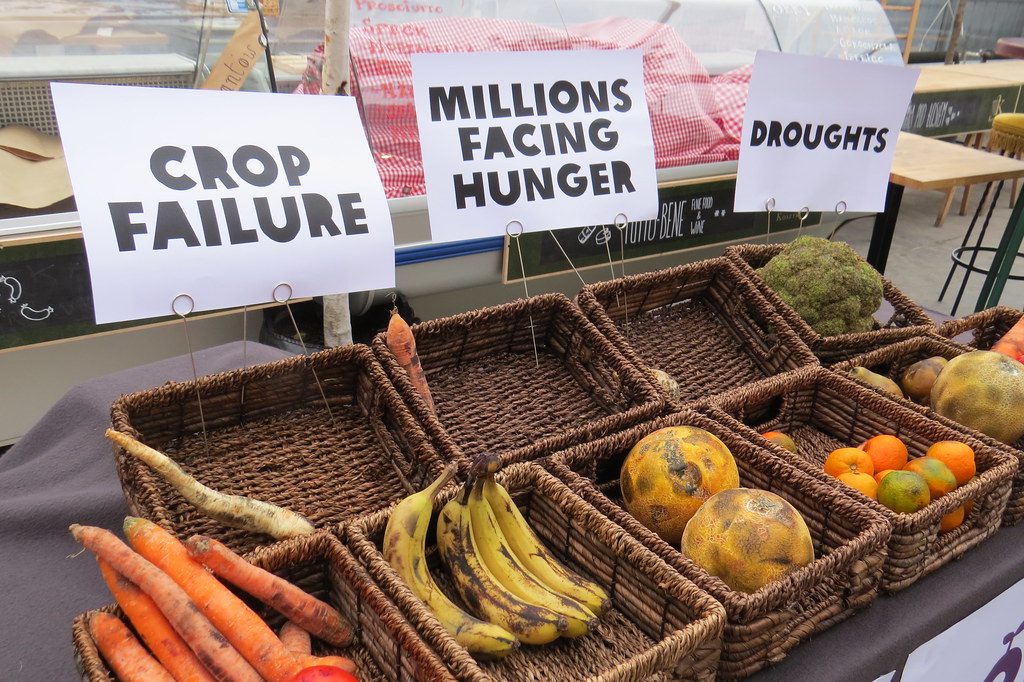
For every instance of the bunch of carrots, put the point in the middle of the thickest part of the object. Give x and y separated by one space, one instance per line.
192 626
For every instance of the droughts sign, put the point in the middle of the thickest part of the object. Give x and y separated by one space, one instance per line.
539 139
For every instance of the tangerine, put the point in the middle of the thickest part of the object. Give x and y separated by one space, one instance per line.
886 451
863 482
781 439
845 460
958 456
881 474
953 519
940 479
904 491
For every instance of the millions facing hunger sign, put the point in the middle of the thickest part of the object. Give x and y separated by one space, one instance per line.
531 141
221 196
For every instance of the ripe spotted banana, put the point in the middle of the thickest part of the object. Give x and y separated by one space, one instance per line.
510 571
480 589
404 548
536 556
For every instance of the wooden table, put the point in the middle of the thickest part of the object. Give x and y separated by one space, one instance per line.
926 163
958 99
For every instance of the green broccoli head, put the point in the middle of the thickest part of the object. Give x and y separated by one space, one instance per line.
833 289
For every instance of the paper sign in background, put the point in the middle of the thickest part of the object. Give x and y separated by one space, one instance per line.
517 105
820 133
187 240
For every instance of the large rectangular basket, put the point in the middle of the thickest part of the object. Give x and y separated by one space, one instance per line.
761 627
385 647
892 361
325 435
703 323
522 378
901 317
659 627
823 410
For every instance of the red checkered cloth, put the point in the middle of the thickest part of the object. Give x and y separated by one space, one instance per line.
694 118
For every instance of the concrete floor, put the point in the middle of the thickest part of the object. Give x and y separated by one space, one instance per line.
919 259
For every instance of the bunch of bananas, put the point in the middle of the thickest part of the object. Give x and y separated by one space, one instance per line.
514 588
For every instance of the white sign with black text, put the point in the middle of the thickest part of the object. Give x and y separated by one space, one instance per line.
820 134
531 141
206 200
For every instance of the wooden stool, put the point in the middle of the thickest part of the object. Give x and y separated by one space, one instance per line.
1010 47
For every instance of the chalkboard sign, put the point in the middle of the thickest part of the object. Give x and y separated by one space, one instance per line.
45 294
938 114
689 215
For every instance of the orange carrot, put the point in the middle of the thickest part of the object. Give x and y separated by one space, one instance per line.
295 639
1012 342
126 656
154 629
311 614
216 653
240 625
403 345
309 660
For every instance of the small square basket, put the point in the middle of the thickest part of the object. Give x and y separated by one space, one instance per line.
659 627
761 627
521 378
982 329
823 410
703 323
385 647
905 318
892 361
325 435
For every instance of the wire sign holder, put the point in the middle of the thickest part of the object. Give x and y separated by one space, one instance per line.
182 305
513 236
276 294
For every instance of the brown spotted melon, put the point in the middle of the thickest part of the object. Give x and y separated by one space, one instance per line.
669 474
748 538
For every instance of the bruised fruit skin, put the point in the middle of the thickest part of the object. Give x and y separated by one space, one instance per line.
918 378
748 538
983 390
669 474
877 380
782 440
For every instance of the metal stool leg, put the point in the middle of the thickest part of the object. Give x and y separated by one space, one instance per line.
967 238
974 253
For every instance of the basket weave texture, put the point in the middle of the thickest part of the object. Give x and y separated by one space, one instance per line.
982 329
269 434
704 324
906 319
892 361
521 379
762 627
385 647
659 627
823 410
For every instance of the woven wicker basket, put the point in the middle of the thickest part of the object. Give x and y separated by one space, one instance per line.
906 318
762 627
823 410
703 323
892 361
266 432
660 626
981 330
521 378
385 648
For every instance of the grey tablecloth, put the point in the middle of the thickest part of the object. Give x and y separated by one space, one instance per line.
62 472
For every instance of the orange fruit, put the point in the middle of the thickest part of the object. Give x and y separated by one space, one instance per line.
953 519
904 491
781 439
669 473
887 452
863 482
845 460
958 456
881 474
941 480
